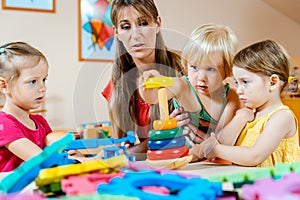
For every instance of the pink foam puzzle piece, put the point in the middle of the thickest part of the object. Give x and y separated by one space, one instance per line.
288 185
86 184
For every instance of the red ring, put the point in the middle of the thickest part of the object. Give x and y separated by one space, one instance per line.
167 153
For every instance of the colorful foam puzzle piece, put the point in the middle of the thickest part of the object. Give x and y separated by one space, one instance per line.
86 184
21 196
181 188
286 187
280 169
98 197
29 170
238 179
56 174
52 189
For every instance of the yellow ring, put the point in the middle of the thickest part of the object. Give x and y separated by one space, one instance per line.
164 124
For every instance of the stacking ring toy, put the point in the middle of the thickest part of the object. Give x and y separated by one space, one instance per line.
167 153
165 134
165 124
166 144
159 82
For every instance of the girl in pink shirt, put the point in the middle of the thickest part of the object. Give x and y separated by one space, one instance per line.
23 73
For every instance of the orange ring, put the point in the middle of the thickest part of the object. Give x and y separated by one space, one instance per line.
165 124
167 153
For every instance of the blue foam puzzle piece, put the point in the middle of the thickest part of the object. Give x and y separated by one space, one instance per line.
132 182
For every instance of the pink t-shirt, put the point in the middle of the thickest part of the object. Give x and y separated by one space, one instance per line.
11 129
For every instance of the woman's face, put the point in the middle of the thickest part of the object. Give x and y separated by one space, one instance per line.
138 34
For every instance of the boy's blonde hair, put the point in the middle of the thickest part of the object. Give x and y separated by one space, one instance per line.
208 39
266 57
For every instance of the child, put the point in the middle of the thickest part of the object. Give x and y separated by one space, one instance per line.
267 130
23 73
207 57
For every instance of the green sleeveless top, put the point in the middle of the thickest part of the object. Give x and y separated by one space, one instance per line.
202 119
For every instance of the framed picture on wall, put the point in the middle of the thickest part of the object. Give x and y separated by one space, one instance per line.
29 5
96 35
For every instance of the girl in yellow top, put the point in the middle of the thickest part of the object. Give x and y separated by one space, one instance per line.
265 131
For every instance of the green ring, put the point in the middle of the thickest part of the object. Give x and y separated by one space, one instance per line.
165 134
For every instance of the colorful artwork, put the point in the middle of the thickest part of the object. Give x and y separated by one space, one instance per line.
29 5
96 35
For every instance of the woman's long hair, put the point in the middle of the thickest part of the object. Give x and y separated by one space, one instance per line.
123 108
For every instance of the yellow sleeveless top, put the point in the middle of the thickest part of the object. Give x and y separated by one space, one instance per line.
288 150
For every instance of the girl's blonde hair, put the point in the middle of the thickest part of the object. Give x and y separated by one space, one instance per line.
15 56
208 39
266 58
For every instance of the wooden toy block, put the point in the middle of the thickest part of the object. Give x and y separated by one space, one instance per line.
163 104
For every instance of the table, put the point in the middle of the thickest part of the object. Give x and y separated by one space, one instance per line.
207 169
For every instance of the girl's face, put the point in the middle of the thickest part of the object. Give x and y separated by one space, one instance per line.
252 88
28 90
137 34
207 77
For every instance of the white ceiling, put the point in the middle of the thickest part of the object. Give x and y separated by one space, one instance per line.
290 8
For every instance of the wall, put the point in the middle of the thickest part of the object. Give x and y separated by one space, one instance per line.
74 87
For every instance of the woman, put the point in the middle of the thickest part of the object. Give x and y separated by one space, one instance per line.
140 47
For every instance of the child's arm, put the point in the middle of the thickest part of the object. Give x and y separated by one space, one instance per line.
23 148
232 105
229 134
280 125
